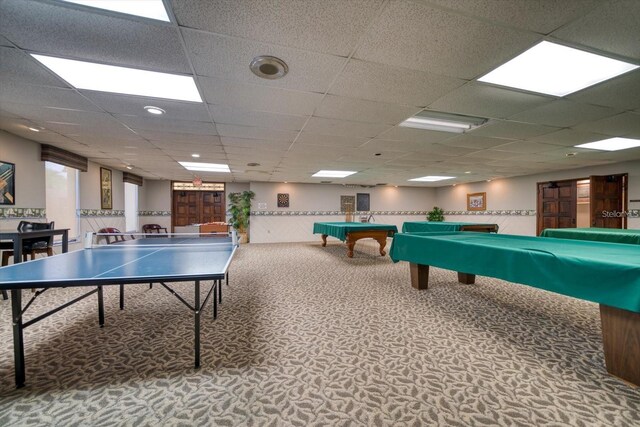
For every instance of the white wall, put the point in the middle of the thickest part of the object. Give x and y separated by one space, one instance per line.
519 193
309 203
155 203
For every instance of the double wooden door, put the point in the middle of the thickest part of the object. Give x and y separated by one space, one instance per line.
557 203
197 207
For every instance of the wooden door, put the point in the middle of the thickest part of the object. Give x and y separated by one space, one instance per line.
197 207
212 206
607 197
556 205
185 208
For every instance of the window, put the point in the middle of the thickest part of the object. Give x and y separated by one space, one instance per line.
62 198
131 206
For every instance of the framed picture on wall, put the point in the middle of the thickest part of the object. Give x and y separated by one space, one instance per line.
362 202
106 197
347 203
7 183
477 201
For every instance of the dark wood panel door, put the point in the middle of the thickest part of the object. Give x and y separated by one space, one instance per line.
607 199
185 208
556 205
212 206
197 207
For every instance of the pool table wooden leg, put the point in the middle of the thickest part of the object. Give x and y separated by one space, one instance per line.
350 245
419 275
324 240
621 339
466 278
382 241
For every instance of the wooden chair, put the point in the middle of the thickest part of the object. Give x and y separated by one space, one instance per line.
153 228
117 235
33 246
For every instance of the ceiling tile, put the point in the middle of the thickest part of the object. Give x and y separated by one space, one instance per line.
344 128
400 39
526 147
329 140
179 138
477 142
625 124
160 124
84 35
44 96
563 113
541 16
607 28
379 144
259 98
338 107
487 101
512 129
308 71
255 133
227 115
568 137
18 67
622 92
134 106
415 135
383 83
330 26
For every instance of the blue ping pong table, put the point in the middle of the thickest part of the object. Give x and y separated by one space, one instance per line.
157 260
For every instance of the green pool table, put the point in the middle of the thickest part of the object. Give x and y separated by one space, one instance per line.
611 235
419 226
601 272
350 232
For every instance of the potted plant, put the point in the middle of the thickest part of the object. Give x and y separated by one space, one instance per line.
435 215
240 210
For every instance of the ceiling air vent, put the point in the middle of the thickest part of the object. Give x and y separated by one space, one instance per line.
269 67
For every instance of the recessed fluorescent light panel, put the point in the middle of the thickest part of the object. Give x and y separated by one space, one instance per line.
432 178
205 167
443 122
152 9
129 81
612 144
332 174
554 69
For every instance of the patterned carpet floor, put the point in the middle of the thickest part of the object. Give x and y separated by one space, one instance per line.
308 337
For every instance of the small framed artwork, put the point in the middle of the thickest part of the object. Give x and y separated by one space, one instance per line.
347 203
362 202
106 197
477 201
283 200
7 183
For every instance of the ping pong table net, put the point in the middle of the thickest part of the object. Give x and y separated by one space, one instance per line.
116 236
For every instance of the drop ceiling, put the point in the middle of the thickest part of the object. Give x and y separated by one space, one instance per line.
357 69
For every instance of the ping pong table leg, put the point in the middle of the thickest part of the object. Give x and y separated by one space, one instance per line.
121 296
215 301
227 278
197 323
100 307
219 290
18 337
